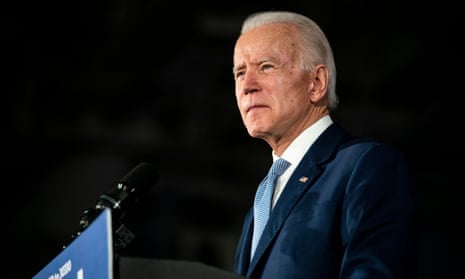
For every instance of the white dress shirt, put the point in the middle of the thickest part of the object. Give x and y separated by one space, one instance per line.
297 149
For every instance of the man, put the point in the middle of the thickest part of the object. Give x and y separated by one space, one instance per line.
343 208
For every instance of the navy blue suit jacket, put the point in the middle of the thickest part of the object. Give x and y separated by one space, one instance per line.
348 211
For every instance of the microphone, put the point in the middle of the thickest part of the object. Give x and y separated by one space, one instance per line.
128 190
120 199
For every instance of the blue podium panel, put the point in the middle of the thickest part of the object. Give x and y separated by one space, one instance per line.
89 256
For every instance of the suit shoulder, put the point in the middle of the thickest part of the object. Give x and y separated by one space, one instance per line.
370 144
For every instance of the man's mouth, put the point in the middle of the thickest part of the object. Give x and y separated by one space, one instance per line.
254 107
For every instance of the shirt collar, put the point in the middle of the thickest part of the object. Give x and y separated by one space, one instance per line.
299 146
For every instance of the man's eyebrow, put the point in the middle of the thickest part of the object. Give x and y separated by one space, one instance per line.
238 67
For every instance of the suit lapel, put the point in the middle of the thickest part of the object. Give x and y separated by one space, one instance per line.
303 178
243 258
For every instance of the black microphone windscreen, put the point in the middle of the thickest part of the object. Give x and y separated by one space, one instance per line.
129 189
142 177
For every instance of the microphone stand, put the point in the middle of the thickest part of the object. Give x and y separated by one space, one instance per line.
114 200
119 200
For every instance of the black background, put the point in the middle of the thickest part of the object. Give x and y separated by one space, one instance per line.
92 88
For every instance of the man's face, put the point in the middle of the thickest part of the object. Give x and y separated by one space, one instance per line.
272 90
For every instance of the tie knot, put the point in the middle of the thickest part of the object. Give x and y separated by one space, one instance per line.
279 167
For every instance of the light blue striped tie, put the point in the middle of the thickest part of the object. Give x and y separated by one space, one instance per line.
263 198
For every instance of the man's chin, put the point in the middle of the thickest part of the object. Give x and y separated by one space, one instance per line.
256 133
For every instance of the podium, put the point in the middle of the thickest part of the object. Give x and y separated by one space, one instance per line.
144 268
91 256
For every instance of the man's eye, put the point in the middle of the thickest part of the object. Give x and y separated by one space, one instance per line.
239 74
266 67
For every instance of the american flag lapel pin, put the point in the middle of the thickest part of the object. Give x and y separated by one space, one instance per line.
303 179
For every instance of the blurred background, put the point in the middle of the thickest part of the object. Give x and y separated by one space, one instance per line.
93 88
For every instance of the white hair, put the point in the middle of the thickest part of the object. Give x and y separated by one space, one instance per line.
315 47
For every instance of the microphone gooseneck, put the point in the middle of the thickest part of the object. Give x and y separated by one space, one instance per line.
128 191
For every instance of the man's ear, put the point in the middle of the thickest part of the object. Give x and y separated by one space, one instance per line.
318 85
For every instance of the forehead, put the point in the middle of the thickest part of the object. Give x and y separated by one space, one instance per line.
270 39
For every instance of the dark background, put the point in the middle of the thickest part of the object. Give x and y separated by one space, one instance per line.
92 88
